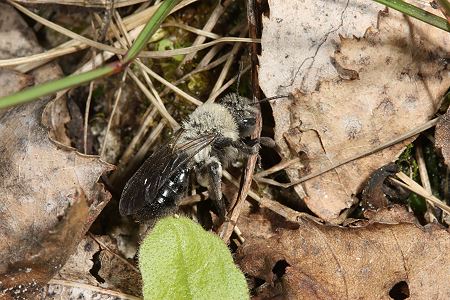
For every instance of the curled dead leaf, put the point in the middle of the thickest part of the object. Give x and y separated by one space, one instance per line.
330 262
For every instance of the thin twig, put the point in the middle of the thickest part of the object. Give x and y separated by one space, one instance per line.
419 190
227 227
223 74
104 246
275 206
67 32
399 139
197 31
85 286
113 112
162 110
171 86
280 166
225 86
429 215
212 65
213 18
143 150
86 116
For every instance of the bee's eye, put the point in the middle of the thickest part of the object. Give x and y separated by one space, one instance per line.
249 121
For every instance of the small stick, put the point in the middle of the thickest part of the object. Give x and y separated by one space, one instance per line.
419 190
401 138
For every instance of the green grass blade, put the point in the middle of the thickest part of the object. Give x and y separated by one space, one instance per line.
51 87
418 13
160 14
444 5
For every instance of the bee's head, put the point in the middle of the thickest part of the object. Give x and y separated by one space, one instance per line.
243 111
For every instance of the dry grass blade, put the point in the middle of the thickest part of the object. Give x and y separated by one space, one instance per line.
86 117
113 112
162 110
34 61
226 67
67 32
209 56
63 49
192 29
226 85
194 49
419 190
213 18
143 16
85 3
210 66
168 84
153 94
133 23
149 120
144 149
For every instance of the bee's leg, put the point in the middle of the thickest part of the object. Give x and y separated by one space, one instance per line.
267 142
214 175
249 146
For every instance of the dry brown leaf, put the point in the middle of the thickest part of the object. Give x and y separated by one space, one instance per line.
50 195
402 76
12 81
442 136
260 222
330 262
94 271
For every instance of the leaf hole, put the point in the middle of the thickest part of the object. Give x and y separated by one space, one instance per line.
280 268
96 267
399 291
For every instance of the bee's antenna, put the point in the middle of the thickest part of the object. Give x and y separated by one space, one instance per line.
272 98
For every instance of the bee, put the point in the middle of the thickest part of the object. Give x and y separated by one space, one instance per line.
212 137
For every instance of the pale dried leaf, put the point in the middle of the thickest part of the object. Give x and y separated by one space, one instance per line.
300 36
401 76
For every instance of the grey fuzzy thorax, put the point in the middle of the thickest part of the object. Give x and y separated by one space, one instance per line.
211 118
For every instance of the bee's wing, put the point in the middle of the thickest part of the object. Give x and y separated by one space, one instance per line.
156 171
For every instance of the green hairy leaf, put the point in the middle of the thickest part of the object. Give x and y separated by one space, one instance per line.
180 260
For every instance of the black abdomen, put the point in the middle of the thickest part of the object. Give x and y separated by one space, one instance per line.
159 202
